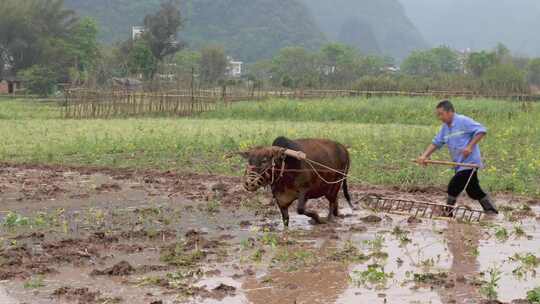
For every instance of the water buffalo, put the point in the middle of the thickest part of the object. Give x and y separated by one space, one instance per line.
293 179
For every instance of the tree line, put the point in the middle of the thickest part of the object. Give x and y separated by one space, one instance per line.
46 44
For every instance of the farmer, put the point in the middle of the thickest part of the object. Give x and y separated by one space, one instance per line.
462 135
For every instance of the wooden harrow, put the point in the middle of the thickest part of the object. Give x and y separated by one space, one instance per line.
421 209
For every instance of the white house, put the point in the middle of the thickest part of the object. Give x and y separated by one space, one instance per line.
234 69
137 31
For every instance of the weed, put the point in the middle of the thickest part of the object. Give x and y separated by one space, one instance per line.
246 244
349 253
533 296
269 238
528 263
374 276
501 234
257 256
519 232
34 283
489 288
212 207
15 220
427 264
180 279
430 278
293 260
401 235
375 247
177 255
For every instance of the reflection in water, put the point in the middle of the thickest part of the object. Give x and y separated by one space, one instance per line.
463 241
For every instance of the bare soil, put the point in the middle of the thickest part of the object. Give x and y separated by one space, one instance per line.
97 235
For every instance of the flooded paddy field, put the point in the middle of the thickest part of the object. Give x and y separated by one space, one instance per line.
85 235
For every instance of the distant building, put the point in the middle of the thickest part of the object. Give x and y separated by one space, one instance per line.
137 31
127 84
463 56
391 69
234 69
10 85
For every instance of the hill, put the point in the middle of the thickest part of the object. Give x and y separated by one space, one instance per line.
372 26
248 29
478 24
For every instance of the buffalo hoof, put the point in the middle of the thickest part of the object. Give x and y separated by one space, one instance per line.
321 221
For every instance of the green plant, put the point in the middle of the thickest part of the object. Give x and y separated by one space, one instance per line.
501 234
257 256
212 207
34 283
269 238
519 232
489 288
533 296
528 262
401 235
15 220
374 276
178 255
348 253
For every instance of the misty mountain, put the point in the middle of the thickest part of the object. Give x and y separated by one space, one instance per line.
372 26
248 29
478 24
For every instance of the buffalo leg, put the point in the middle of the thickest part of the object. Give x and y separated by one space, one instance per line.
302 209
285 216
333 206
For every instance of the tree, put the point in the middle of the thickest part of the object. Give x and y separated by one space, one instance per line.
187 61
502 54
504 78
447 59
161 30
31 30
533 72
213 64
372 65
338 64
39 79
431 62
83 43
141 60
295 67
478 62
421 63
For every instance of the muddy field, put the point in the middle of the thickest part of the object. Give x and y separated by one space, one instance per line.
83 235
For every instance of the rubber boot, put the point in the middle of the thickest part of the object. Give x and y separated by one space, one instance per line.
488 205
451 202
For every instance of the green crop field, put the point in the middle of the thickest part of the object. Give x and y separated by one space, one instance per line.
383 135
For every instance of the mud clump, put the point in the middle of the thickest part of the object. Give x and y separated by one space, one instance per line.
8 274
108 187
123 268
222 291
413 220
434 279
358 228
371 219
81 295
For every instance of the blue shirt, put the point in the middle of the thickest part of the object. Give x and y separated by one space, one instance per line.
457 136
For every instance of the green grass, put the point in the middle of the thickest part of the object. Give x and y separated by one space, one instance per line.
382 133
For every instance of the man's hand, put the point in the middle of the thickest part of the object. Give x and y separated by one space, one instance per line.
422 160
467 151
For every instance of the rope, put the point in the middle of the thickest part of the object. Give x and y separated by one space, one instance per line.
309 162
469 180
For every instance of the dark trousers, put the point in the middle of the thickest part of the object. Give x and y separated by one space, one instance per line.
458 182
